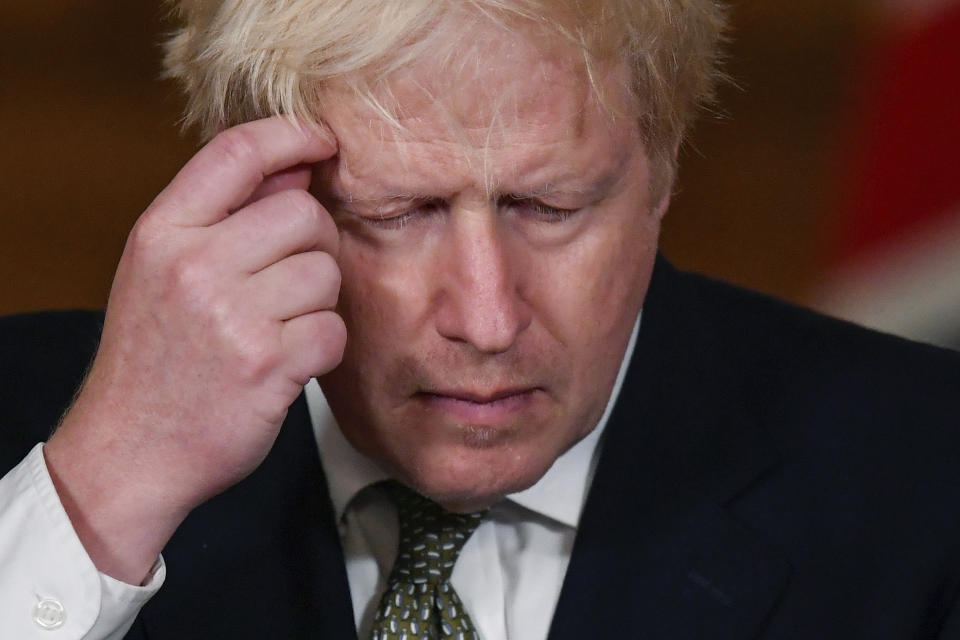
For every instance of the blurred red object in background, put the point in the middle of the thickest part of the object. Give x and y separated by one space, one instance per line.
896 257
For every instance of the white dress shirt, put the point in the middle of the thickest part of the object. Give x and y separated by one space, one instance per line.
49 587
508 575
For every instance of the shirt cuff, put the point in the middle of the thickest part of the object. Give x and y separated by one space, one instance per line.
49 588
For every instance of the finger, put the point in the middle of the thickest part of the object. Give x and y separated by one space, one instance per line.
313 344
273 228
298 285
225 172
296 177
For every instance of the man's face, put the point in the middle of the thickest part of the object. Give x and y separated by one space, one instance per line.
495 254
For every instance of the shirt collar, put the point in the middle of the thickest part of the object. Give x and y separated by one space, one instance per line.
559 494
347 470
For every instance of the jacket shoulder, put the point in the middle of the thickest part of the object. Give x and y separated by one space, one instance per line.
875 413
790 347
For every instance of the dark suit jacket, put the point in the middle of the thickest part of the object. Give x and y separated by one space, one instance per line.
767 473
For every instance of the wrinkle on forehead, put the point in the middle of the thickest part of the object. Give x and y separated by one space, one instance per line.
504 90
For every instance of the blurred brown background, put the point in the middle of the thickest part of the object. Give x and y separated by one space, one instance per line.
89 135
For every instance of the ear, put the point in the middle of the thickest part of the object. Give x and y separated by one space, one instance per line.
660 208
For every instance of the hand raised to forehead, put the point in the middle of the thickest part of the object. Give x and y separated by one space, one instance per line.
221 309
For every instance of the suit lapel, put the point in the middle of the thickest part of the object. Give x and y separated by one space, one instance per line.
262 560
657 554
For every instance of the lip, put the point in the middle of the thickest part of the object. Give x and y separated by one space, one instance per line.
480 407
478 397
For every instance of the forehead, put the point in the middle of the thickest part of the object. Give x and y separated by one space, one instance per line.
475 76
507 101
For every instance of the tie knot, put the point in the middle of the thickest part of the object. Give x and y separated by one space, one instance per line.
431 537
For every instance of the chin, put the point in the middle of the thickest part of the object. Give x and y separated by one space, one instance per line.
474 477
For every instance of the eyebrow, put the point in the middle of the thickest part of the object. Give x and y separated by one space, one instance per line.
551 189
593 188
390 197
538 191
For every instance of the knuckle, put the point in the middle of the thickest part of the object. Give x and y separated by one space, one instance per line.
338 330
330 326
302 207
253 359
305 213
314 278
336 334
144 238
329 277
235 146
329 235
330 339
189 273
251 365
317 344
190 284
327 267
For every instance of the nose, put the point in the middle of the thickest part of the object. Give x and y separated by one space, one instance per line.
481 299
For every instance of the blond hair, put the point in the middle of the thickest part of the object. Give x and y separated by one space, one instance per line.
240 60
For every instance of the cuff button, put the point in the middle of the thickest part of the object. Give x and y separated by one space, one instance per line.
49 614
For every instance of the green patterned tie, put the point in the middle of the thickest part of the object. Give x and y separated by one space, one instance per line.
420 603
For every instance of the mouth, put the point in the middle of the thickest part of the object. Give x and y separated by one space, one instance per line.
478 397
480 407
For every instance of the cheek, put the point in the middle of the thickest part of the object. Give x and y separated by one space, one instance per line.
374 297
605 285
590 295
384 301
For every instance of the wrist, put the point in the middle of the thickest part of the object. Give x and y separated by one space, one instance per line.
122 516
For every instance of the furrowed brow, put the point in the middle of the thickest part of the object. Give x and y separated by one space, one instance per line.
592 190
545 190
594 185
379 200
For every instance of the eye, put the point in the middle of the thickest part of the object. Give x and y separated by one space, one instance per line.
538 210
390 218
397 221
